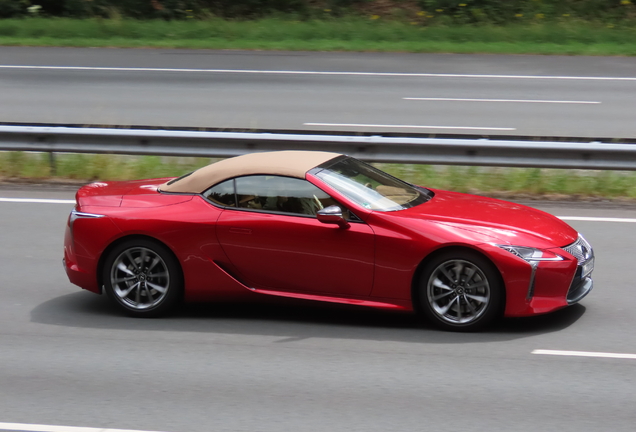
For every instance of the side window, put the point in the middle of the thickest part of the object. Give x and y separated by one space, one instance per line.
222 194
281 194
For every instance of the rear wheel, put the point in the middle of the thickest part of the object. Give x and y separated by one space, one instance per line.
460 291
143 278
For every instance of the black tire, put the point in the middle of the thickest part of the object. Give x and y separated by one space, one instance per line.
460 291
143 278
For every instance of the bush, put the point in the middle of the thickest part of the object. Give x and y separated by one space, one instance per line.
13 8
421 11
503 11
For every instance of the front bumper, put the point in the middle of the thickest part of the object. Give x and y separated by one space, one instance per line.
554 290
540 287
580 290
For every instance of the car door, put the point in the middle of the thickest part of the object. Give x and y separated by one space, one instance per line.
272 237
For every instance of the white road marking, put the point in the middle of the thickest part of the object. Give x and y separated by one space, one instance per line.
585 354
37 200
52 428
499 100
409 126
596 219
340 73
565 218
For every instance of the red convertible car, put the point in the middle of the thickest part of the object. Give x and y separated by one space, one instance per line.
321 226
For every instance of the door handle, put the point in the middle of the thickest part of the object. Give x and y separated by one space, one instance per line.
240 231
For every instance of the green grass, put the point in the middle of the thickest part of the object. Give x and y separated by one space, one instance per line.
552 183
89 167
536 182
342 34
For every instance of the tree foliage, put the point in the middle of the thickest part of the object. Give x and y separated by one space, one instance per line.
445 11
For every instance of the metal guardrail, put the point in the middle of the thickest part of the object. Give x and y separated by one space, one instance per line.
481 152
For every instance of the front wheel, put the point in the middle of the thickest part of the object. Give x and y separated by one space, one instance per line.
460 291
142 278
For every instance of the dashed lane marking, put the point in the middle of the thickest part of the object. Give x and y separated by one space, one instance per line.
25 427
597 219
37 200
585 354
500 100
384 126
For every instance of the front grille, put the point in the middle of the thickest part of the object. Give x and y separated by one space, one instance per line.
581 283
580 249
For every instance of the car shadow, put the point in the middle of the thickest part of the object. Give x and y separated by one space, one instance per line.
290 320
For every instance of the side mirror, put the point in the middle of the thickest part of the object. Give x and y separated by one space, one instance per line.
332 215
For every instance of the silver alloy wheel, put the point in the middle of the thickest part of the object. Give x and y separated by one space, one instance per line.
140 278
458 292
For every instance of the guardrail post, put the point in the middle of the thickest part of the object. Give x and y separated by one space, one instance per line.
52 164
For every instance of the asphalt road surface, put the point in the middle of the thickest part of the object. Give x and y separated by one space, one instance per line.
68 358
424 93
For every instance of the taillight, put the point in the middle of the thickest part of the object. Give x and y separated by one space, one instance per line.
77 214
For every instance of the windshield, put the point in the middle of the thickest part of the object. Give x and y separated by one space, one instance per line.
369 187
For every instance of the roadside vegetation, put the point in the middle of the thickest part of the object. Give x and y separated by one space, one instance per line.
345 34
592 27
589 27
499 182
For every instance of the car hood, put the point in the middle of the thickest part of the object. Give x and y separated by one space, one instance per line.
501 221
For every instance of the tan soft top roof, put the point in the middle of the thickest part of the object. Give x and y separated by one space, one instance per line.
284 163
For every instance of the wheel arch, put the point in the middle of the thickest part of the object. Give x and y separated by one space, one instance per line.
117 242
446 249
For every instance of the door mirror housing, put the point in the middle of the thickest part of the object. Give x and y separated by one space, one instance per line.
332 215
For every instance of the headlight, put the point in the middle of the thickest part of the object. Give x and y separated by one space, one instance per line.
531 254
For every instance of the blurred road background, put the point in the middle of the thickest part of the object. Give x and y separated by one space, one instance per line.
424 93
68 358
